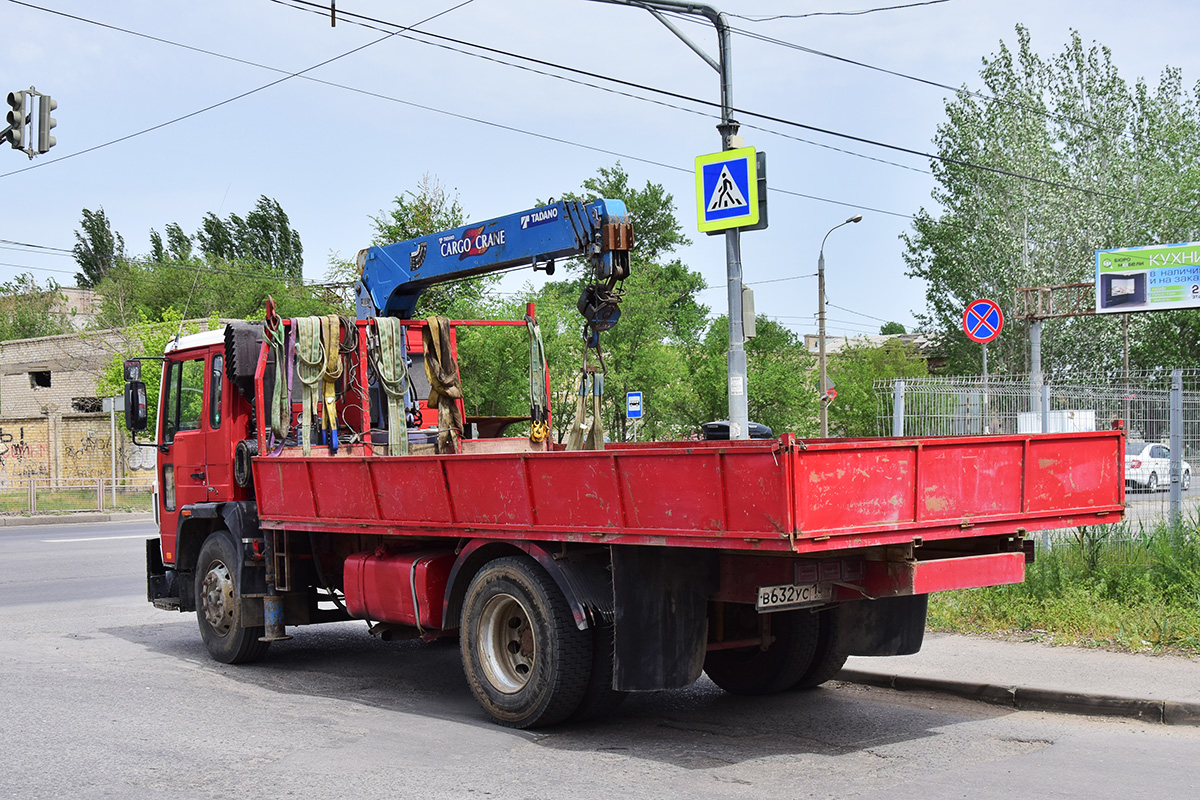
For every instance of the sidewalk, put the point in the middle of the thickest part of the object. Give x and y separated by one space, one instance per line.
1035 676
77 518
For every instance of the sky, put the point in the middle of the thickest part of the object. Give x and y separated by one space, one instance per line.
335 145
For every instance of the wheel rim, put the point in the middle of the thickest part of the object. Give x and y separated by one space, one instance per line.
216 598
507 646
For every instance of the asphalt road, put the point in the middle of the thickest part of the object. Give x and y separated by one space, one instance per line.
105 696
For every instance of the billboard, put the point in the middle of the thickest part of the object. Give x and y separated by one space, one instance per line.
1152 278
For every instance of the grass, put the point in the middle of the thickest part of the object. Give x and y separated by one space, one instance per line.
1106 588
49 501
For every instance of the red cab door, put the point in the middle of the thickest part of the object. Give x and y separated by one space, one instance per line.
182 464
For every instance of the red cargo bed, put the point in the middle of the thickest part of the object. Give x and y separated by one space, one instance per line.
775 495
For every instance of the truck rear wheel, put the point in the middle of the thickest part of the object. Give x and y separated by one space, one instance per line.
753 670
600 699
219 603
526 661
828 659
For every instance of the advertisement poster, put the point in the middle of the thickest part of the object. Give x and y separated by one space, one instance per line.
1152 278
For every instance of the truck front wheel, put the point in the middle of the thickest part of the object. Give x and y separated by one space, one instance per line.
791 642
219 603
526 661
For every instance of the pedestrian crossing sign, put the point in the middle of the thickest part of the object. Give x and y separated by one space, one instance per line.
727 190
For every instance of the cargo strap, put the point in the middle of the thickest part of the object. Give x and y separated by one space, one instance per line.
539 401
282 342
585 435
331 340
389 356
312 369
445 390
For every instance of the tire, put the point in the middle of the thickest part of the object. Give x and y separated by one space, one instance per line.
827 660
525 660
219 601
600 699
754 671
1185 481
1152 482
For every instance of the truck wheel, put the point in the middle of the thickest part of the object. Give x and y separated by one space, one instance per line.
524 658
600 698
218 604
828 660
753 671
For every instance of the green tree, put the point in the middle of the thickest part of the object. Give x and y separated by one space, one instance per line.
779 376
264 235
29 310
97 248
891 329
143 338
1076 160
661 316
854 370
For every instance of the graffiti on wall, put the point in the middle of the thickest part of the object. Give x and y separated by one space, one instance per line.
22 458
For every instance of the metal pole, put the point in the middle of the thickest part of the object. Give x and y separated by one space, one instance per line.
736 389
1125 360
898 408
823 387
984 404
112 446
1176 446
1035 364
1045 409
824 379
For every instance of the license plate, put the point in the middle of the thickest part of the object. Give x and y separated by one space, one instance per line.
779 598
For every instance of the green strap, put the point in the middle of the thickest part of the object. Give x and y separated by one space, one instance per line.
280 409
390 358
309 353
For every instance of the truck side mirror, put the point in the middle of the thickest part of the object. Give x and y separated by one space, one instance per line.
135 404
133 370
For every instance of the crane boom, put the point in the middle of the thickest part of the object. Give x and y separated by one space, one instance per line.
394 275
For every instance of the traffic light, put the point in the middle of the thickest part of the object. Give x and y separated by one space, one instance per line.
16 120
46 104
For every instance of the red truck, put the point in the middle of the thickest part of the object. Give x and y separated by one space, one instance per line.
571 577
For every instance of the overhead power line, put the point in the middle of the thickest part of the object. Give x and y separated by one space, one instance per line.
835 13
286 77
770 117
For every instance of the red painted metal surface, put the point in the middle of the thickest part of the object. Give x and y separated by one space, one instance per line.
776 495
398 587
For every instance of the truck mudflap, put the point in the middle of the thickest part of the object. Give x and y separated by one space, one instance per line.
160 581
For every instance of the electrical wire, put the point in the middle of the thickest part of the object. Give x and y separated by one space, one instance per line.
161 125
835 13
775 119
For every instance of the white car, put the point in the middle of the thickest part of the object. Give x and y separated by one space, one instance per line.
1148 466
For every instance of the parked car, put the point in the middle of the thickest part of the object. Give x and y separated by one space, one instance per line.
1148 466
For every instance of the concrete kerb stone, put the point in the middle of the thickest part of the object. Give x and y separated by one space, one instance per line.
1033 699
74 519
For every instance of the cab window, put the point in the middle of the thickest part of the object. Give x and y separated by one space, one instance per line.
183 398
214 392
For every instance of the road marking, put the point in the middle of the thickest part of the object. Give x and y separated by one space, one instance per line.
97 538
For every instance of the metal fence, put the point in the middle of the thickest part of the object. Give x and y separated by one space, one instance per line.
969 405
44 496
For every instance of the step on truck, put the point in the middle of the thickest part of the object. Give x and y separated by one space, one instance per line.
323 469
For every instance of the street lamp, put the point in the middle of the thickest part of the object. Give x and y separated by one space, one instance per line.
821 326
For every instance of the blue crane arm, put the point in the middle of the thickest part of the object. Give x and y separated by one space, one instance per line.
394 275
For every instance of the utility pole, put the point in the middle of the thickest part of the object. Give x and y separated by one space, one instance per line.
736 390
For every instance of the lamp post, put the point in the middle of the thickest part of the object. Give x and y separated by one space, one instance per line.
821 326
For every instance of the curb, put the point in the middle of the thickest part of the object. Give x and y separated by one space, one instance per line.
70 519
1026 698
